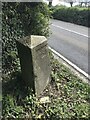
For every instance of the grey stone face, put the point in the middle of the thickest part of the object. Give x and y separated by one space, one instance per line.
33 54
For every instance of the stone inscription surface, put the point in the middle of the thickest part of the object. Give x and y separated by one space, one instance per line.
42 68
34 61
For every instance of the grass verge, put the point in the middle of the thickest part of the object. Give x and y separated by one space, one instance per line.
68 97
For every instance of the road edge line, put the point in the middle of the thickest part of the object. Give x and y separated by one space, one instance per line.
70 30
70 63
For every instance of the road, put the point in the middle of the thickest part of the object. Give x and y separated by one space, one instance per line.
71 41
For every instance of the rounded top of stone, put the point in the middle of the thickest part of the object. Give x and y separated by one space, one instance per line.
32 41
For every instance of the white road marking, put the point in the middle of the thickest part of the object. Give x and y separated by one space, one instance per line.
70 63
70 30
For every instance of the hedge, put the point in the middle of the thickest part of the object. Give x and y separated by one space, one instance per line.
19 20
73 15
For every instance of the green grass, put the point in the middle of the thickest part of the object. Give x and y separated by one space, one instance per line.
69 97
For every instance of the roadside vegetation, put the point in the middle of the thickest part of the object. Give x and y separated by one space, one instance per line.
68 96
76 15
20 20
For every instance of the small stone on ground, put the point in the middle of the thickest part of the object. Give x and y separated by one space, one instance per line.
45 100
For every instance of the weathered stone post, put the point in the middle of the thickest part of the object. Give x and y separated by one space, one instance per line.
34 60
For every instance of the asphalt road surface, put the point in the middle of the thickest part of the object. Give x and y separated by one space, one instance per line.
71 41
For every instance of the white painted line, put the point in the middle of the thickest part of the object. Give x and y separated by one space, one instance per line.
70 30
70 63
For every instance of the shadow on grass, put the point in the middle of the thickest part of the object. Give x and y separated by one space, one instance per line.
15 87
14 93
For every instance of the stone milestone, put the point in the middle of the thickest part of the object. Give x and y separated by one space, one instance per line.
34 60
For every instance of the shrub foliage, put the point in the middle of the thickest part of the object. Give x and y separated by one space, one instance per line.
18 20
74 15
